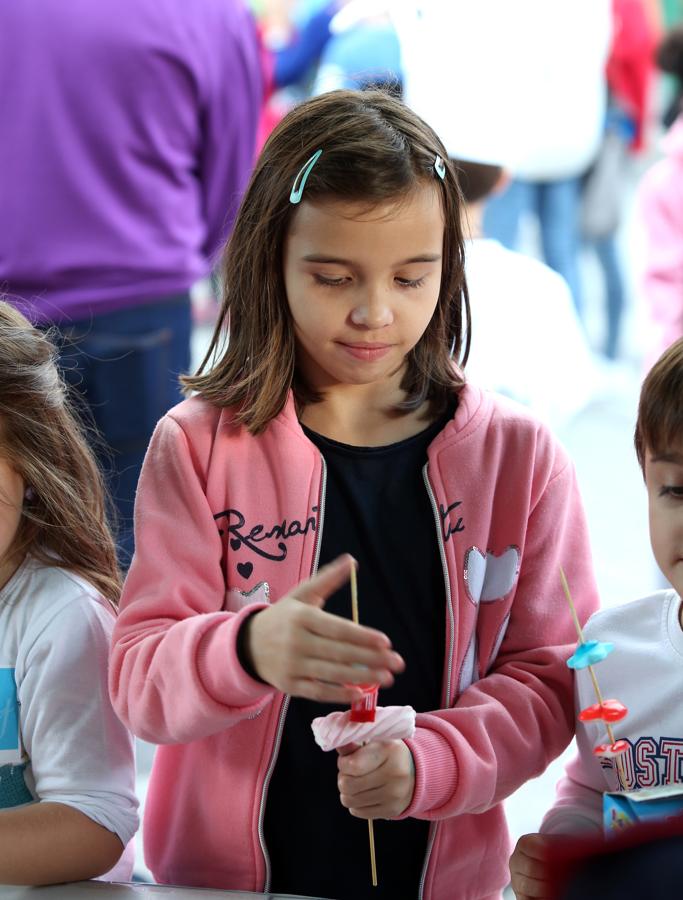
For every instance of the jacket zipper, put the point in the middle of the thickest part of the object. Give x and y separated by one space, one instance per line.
451 645
285 700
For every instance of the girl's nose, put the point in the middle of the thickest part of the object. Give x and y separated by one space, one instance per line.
372 312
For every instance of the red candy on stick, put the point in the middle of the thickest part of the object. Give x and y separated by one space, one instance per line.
608 711
611 750
363 710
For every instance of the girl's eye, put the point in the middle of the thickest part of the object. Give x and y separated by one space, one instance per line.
330 282
407 282
671 490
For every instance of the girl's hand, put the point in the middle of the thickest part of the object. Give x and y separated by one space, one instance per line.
377 780
529 867
302 650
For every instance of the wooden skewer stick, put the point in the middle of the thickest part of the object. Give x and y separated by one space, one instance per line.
591 672
371 830
354 594
373 861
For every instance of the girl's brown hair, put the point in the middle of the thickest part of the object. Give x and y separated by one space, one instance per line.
64 519
659 426
375 150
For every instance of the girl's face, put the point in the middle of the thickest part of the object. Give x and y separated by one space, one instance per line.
664 480
362 285
11 502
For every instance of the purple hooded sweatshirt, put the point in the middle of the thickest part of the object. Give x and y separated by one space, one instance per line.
127 139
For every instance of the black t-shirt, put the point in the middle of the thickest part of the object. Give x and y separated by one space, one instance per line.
377 508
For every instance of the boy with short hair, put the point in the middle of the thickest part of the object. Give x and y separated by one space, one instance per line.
644 670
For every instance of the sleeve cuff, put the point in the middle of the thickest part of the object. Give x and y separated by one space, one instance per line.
221 670
436 774
241 649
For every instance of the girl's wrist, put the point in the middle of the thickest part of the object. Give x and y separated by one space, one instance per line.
243 648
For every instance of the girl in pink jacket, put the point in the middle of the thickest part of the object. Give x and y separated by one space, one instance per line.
333 421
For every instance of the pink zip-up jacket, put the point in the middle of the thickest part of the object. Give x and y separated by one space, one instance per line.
660 197
227 522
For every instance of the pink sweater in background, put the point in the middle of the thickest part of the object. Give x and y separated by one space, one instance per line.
661 210
226 521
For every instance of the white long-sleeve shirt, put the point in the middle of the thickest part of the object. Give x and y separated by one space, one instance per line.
513 294
56 721
644 672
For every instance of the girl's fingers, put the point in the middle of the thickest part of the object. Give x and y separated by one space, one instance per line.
347 749
322 692
369 759
379 811
529 868
367 800
320 670
326 581
533 846
353 789
352 654
344 631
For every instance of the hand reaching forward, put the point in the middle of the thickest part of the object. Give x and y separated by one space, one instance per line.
302 650
377 780
529 866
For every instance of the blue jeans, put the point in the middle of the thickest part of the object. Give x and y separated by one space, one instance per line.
125 367
556 205
607 254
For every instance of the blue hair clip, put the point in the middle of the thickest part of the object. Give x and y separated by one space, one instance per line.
440 168
300 180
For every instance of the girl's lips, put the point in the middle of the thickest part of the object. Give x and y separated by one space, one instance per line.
368 352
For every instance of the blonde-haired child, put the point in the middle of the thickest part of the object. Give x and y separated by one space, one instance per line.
67 799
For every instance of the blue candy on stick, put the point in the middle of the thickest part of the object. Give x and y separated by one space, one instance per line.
589 653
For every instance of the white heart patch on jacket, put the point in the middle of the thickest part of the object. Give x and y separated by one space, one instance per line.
235 600
490 577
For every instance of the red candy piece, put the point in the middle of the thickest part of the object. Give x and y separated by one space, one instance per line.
608 711
363 710
611 750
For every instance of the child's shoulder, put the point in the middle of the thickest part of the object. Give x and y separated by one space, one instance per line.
196 413
42 577
192 427
637 619
39 591
476 404
505 420
201 421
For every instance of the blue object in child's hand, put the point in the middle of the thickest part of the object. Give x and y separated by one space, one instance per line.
589 653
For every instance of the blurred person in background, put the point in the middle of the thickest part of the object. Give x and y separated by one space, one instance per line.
660 200
294 36
629 75
129 136
364 51
531 77
524 318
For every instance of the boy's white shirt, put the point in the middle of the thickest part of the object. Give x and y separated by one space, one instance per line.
644 672
55 632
